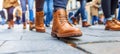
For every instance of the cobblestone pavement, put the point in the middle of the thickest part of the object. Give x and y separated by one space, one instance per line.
95 40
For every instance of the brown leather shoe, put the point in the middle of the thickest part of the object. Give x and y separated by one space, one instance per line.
24 25
116 21
12 23
85 24
9 25
61 26
39 22
110 25
31 26
74 21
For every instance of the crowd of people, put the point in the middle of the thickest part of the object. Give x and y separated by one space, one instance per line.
101 11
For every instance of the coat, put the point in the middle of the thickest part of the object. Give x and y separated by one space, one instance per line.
95 7
10 3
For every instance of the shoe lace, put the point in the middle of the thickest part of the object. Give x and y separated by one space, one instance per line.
63 18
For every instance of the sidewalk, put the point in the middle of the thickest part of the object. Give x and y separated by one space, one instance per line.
95 40
19 41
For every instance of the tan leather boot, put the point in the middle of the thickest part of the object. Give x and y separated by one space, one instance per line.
110 25
24 25
85 24
31 26
61 26
39 22
116 21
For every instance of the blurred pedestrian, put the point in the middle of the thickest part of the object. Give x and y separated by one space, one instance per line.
109 7
94 11
48 11
31 14
10 5
2 13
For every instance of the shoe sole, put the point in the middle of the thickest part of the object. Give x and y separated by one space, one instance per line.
112 29
73 34
40 30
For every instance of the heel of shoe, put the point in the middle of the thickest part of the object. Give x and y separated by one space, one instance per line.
40 30
107 28
54 35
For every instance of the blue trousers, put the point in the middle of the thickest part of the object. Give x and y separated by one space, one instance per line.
24 9
3 17
56 4
82 10
94 19
119 13
48 10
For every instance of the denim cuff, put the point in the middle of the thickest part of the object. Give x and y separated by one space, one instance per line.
84 20
110 18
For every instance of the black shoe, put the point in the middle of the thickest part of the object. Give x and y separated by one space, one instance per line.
47 25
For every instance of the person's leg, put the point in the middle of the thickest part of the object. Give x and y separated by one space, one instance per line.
61 26
3 17
93 20
39 21
83 10
49 12
106 5
31 15
10 17
24 9
77 13
84 13
30 5
39 5
119 13
110 25
114 4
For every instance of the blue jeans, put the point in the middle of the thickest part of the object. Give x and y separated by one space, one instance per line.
24 9
82 10
60 4
94 19
119 13
48 10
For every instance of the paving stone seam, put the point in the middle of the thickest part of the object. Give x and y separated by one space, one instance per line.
74 45
94 42
100 36
3 43
21 37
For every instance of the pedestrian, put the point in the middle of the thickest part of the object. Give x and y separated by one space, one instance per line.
94 11
31 14
2 13
109 7
61 27
9 5
48 11
83 12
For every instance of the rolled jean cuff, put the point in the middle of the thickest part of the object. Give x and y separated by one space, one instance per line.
84 20
113 16
110 18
